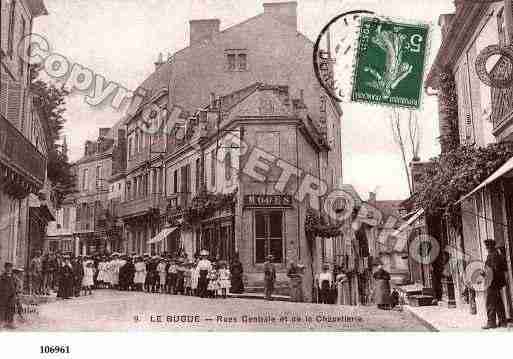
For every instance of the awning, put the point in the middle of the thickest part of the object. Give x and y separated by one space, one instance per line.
409 222
505 168
162 234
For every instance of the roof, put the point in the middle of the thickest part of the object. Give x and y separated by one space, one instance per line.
457 35
389 207
188 83
37 7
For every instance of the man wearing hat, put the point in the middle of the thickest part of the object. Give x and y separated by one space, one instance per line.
269 277
7 296
494 305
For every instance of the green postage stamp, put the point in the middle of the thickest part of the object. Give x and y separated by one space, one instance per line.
390 63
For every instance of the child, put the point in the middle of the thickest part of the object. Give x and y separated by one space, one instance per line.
88 279
224 279
171 277
213 284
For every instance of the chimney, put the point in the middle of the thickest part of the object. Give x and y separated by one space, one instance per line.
159 62
284 12
103 131
202 29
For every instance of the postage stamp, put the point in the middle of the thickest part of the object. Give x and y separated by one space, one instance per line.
390 63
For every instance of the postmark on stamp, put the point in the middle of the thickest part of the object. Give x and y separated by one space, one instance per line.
390 63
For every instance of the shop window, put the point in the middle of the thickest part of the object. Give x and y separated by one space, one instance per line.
269 236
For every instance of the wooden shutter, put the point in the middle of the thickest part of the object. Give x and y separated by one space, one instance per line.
14 103
3 96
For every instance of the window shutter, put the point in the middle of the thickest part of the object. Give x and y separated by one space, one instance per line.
14 103
3 96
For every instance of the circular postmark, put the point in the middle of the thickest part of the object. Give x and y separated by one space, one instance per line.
503 77
345 25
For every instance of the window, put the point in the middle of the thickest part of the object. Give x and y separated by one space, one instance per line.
128 188
65 220
228 166
185 177
161 180
21 62
236 60
10 35
269 236
231 62
175 181
242 62
213 168
136 141
501 24
198 175
130 148
99 183
85 179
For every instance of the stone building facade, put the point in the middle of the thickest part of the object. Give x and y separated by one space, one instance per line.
25 205
485 115
254 80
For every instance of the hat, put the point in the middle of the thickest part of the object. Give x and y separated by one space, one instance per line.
8 264
489 243
325 266
204 252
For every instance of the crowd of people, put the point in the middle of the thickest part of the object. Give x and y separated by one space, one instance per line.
74 276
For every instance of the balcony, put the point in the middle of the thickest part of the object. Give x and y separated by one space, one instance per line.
502 99
141 206
25 164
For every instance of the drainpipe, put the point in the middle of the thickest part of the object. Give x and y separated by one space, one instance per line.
508 20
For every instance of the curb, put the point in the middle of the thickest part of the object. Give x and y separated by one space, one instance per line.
258 297
430 326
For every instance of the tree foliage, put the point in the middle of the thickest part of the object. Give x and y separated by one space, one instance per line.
457 172
51 106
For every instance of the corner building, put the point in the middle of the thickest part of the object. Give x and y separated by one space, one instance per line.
254 80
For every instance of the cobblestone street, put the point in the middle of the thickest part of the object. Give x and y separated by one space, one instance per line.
109 310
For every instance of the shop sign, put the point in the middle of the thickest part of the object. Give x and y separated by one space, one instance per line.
267 200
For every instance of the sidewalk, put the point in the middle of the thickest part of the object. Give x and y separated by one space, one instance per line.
441 318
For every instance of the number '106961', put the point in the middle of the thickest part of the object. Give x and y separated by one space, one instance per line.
54 349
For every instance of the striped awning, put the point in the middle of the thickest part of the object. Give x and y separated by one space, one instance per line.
162 234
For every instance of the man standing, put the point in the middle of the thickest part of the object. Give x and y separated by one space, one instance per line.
36 273
496 262
269 277
7 297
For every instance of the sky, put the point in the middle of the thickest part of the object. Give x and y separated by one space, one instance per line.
121 40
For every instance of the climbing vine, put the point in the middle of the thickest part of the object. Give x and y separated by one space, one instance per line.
457 172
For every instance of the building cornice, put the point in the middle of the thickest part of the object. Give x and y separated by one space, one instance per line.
461 30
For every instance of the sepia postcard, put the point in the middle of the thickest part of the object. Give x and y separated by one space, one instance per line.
256 165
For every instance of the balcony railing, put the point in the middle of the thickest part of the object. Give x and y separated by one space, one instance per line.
502 99
140 206
20 154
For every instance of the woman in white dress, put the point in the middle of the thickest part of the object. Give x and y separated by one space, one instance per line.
116 265
102 274
88 279
224 279
140 274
